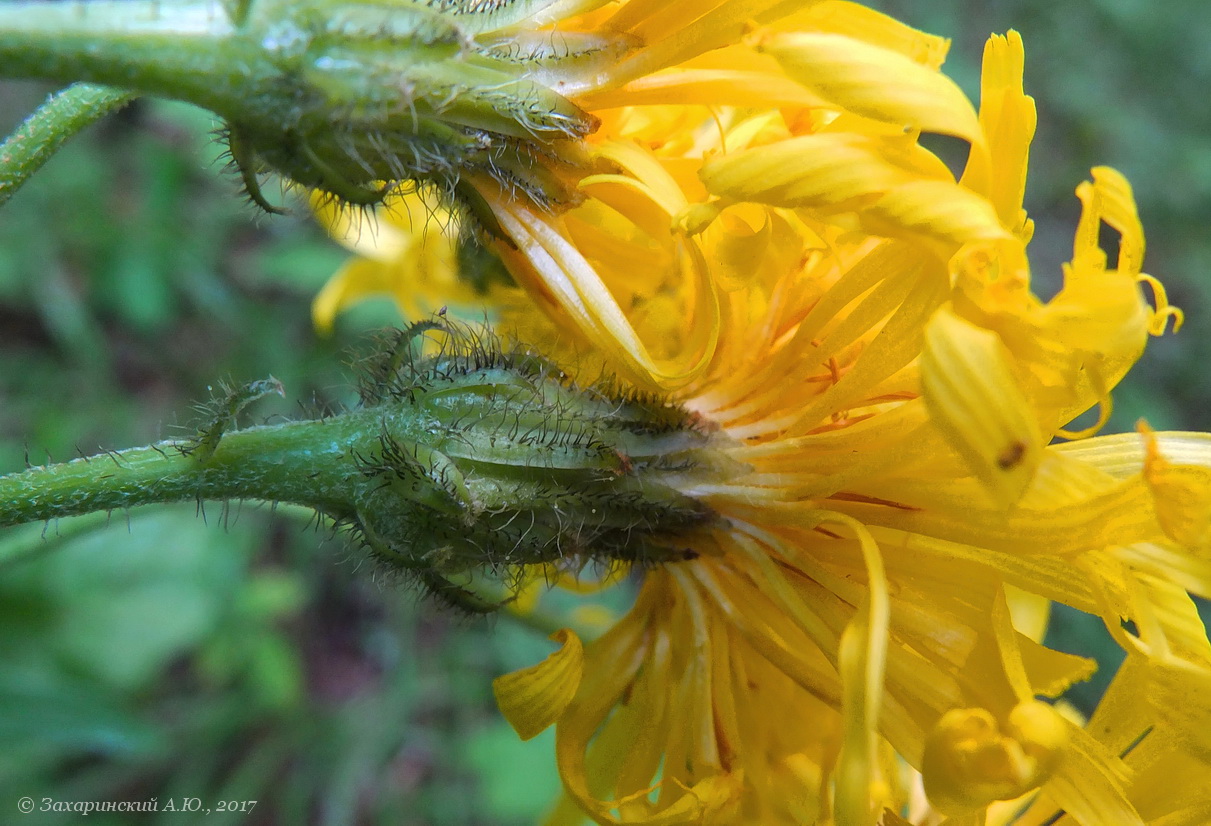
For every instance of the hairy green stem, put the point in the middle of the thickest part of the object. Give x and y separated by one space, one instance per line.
184 51
50 126
261 462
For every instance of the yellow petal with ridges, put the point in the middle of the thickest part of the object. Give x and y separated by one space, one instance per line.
862 656
960 512
547 262
895 191
1008 119
1120 718
1123 454
1060 480
675 32
970 387
1178 691
875 82
535 697
1089 783
896 345
705 87
938 210
1169 787
874 27
831 170
1191 573
1176 618
1176 468
1183 496
1056 579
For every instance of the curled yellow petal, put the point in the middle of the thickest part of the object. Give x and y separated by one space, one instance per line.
837 171
535 697
970 388
896 189
1107 198
875 82
546 259
1118 210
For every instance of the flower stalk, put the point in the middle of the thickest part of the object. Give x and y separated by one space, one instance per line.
54 122
475 459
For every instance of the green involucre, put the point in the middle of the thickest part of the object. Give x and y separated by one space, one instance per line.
477 458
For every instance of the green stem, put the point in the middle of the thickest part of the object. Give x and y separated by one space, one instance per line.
183 51
50 126
261 462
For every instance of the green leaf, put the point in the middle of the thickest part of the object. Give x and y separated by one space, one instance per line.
519 780
119 604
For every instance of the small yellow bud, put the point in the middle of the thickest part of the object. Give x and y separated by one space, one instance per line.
971 760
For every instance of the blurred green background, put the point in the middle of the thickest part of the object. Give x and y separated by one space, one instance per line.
239 654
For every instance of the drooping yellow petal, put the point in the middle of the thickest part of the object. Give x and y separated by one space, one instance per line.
533 698
862 655
977 401
357 278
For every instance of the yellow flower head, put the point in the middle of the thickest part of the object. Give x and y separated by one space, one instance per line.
763 237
